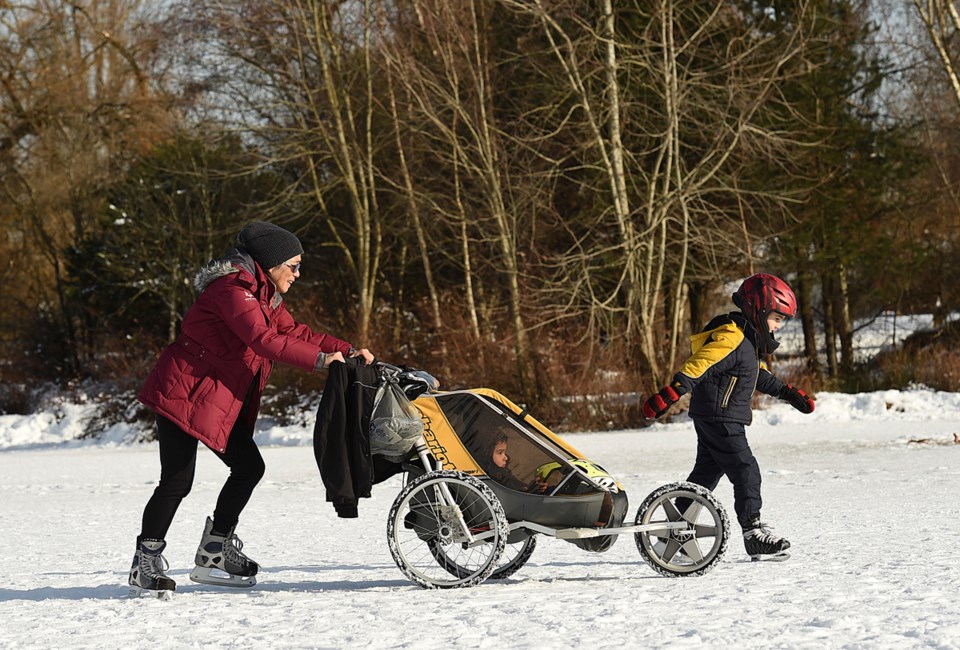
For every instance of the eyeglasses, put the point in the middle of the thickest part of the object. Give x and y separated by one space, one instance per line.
293 267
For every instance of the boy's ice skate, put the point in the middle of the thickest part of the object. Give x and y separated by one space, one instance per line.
221 562
147 571
762 543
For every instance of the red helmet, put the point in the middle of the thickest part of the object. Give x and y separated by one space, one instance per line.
761 294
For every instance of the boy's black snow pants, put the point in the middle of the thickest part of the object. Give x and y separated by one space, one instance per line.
722 448
178 462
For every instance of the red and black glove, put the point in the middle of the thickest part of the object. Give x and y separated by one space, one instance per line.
797 398
660 403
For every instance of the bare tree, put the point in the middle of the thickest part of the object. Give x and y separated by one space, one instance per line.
925 43
452 100
299 76
693 89
413 202
941 18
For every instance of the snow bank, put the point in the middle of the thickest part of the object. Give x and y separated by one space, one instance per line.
68 423
919 403
64 424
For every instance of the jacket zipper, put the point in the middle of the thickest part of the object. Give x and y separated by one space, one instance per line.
727 393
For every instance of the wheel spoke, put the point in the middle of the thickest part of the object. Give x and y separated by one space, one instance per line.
671 548
671 510
692 550
703 530
693 511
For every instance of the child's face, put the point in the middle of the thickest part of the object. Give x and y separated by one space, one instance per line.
775 321
500 458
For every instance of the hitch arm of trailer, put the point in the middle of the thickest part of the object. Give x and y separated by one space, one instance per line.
583 533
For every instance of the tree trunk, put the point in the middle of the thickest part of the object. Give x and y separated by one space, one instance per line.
698 293
418 229
678 292
844 322
805 295
465 255
942 21
829 325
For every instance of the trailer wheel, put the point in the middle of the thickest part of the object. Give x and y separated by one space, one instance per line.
693 549
451 514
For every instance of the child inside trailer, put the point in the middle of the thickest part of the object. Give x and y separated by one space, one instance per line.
516 453
498 468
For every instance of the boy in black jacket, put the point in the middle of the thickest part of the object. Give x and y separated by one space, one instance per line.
723 372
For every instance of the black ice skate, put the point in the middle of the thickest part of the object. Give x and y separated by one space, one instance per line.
221 562
762 543
147 571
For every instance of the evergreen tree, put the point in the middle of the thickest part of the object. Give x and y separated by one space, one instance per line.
178 207
838 244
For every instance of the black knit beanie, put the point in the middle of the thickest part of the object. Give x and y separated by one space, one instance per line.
269 245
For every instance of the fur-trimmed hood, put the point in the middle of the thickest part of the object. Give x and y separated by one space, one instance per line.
237 259
232 262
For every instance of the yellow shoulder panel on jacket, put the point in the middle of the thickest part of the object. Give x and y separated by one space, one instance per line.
711 347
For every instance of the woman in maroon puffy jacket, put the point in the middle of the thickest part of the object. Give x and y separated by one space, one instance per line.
206 387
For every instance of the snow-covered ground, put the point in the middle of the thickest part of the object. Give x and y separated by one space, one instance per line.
865 488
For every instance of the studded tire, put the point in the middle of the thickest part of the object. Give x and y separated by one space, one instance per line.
420 528
691 550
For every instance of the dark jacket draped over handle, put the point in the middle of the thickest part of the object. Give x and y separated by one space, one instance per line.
341 437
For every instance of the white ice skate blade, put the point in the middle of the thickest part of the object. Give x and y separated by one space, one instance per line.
773 557
159 594
218 578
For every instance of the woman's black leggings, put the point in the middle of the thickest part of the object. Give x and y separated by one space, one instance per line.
178 463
